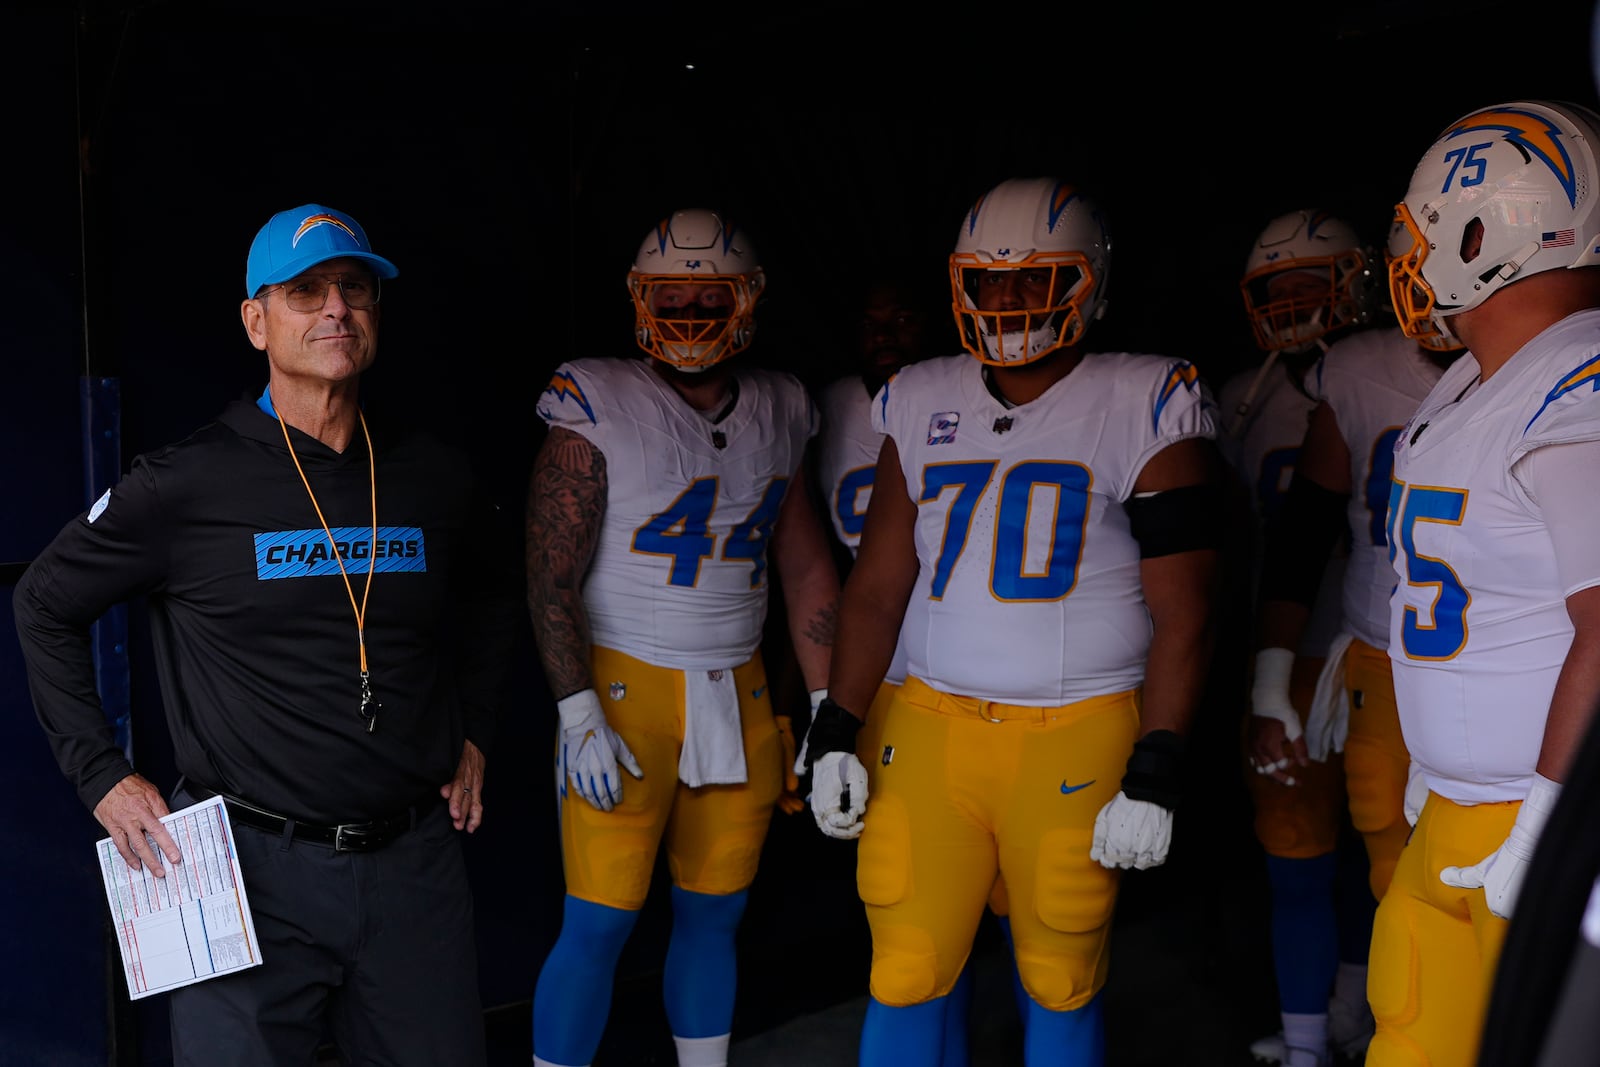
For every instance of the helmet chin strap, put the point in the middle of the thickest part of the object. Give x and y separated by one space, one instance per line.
1236 421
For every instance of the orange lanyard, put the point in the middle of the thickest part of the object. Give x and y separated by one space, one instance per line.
369 707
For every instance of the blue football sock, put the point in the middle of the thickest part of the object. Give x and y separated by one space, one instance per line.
1065 1038
958 1007
1305 937
912 1036
573 995
701 972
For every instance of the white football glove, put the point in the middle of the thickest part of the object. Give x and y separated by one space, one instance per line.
817 697
1131 833
839 794
1500 873
591 751
1416 793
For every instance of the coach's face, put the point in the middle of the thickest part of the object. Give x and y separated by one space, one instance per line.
308 326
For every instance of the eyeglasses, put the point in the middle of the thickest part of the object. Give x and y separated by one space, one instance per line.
310 293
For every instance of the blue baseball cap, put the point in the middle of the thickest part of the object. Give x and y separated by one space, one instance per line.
294 241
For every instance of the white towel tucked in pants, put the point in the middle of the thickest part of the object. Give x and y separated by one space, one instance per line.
713 739
1328 721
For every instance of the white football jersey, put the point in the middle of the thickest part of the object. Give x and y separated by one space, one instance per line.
1029 589
1372 381
1262 449
847 464
679 577
1478 624
847 456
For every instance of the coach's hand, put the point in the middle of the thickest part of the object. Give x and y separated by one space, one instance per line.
131 812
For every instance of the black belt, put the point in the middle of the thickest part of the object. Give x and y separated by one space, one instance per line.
346 837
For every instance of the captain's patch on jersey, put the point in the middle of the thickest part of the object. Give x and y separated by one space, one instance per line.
942 427
100 505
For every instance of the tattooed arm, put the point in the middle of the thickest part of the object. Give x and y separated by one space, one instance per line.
804 561
566 501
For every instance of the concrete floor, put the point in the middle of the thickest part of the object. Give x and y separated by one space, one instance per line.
1183 990
1190 979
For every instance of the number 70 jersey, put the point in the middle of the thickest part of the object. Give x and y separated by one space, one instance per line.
1029 586
679 577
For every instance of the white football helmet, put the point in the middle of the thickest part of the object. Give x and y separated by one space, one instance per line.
1302 279
1041 228
1504 193
695 283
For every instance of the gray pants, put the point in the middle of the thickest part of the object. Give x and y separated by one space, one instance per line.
375 948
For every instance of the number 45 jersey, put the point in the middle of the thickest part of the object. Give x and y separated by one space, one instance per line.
679 577
1029 588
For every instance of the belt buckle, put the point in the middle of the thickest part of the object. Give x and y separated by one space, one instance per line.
351 837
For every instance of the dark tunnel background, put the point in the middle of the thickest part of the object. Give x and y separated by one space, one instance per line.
509 158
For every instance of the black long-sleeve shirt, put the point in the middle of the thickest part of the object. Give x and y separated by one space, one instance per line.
254 632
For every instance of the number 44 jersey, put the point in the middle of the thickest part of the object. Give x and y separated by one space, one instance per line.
1029 587
679 578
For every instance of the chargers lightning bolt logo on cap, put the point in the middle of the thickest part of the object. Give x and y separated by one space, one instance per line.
307 225
1536 135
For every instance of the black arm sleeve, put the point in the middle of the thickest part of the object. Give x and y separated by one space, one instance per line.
1176 520
1299 540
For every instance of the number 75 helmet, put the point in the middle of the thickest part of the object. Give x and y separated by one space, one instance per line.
1505 193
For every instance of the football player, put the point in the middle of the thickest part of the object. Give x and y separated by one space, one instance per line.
1303 285
1044 523
656 503
1495 619
890 334
892 330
